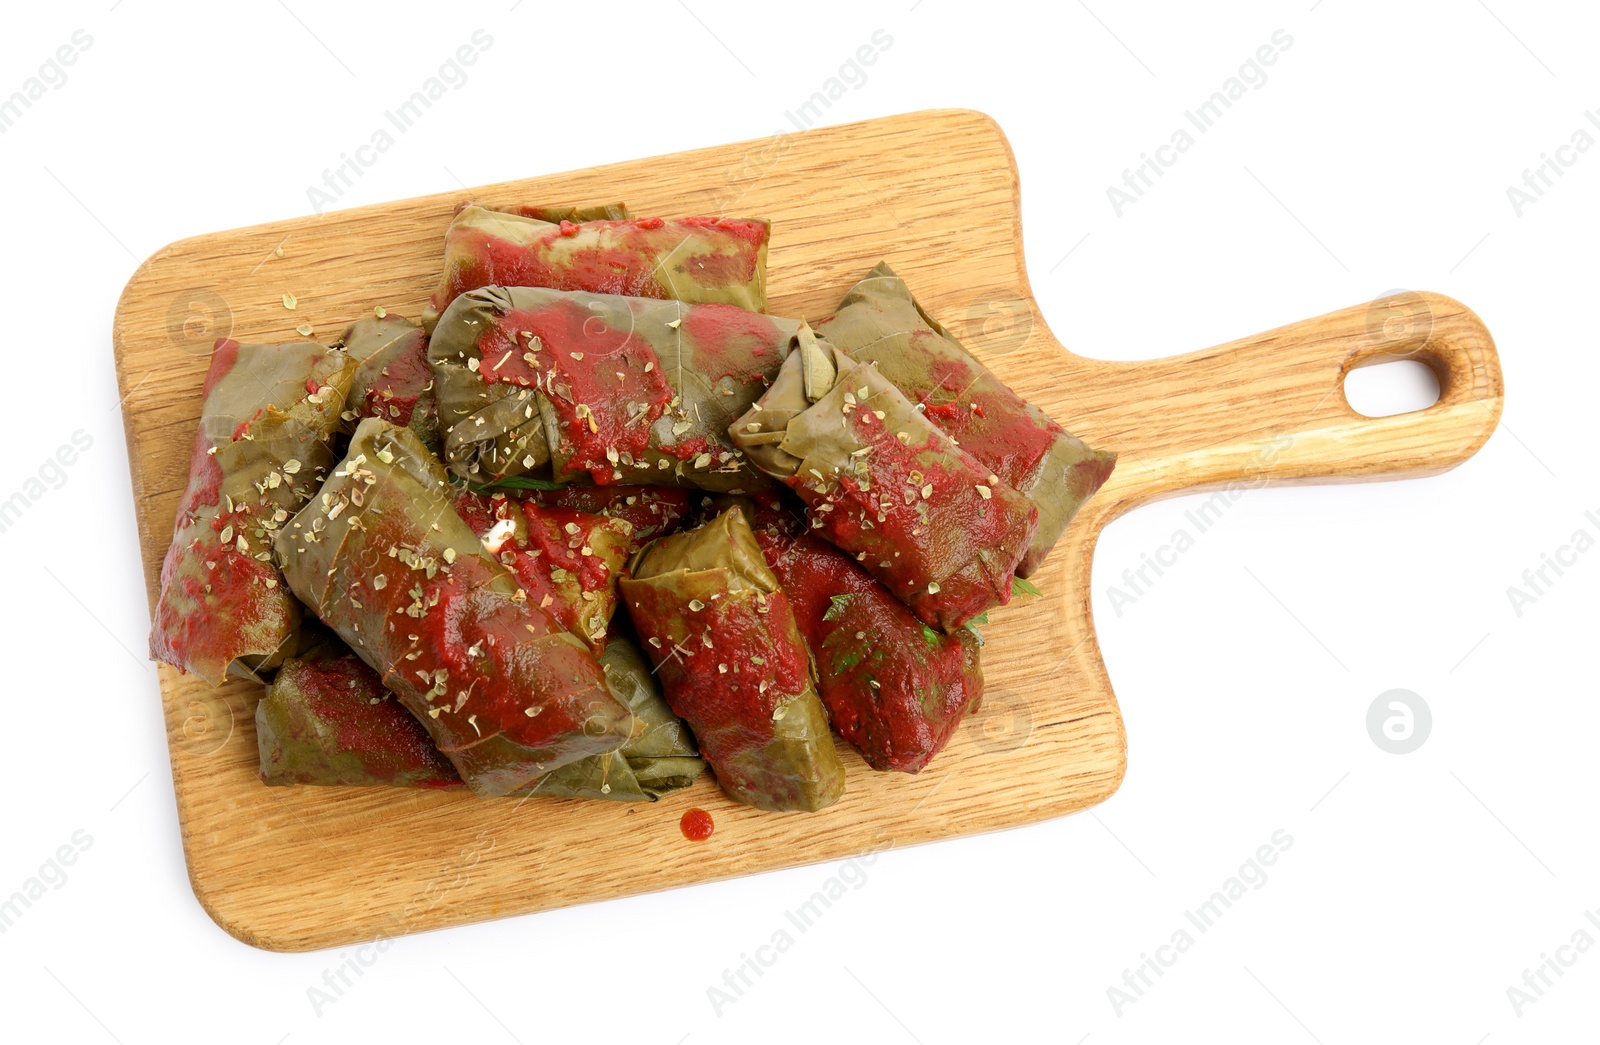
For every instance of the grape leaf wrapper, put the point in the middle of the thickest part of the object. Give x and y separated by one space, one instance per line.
392 380
557 213
660 758
566 560
653 511
327 719
598 388
940 531
894 688
686 259
732 663
880 322
380 555
264 444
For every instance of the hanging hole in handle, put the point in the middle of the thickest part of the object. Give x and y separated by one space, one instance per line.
1384 388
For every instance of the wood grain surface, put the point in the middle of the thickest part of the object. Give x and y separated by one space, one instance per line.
934 193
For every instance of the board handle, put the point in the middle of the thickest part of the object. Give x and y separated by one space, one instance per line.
1271 409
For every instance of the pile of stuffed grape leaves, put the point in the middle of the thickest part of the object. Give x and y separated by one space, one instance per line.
596 524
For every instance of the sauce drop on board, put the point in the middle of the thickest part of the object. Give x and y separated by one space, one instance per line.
696 825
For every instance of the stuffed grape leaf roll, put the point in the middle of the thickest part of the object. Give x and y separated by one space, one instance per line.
919 513
732 663
557 213
653 511
688 259
327 719
600 388
658 759
262 449
566 560
506 693
392 380
894 688
880 322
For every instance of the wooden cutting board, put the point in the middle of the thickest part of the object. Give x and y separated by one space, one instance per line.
935 194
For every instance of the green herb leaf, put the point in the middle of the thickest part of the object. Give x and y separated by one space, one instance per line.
517 482
982 618
931 635
1023 587
836 610
975 632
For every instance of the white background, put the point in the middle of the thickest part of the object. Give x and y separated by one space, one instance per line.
1377 155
